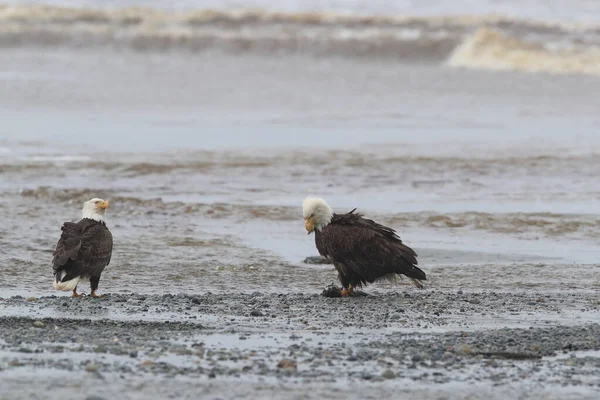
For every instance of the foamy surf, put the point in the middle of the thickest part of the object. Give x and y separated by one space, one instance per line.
490 49
474 41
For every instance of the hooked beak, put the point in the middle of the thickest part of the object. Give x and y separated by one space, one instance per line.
308 225
103 205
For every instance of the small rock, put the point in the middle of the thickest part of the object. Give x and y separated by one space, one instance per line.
133 354
256 313
25 350
38 324
32 298
91 367
388 374
287 364
465 349
316 260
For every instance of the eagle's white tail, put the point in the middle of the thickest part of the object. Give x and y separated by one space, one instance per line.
66 286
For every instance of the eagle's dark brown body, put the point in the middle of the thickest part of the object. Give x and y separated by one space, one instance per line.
83 250
364 251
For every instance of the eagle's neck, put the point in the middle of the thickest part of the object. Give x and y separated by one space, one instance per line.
93 221
94 216
322 220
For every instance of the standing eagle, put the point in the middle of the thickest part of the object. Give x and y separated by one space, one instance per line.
362 250
83 250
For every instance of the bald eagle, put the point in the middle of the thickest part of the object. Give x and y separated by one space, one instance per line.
361 250
83 250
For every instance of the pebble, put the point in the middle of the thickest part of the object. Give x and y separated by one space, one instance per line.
38 324
366 376
316 260
91 367
388 374
287 364
465 349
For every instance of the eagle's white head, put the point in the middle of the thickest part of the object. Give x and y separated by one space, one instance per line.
317 214
95 209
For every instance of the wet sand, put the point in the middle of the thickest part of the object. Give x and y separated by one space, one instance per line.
445 344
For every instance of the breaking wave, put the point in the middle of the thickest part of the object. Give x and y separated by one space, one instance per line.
490 49
488 42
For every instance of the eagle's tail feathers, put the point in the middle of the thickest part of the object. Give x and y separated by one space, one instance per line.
62 281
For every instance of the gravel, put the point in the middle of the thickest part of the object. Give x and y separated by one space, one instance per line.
303 345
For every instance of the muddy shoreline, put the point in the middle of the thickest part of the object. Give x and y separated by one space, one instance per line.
263 345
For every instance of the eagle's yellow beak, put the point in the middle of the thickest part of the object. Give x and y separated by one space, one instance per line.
103 205
308 224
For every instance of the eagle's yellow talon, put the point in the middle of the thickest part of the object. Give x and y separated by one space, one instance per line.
347 292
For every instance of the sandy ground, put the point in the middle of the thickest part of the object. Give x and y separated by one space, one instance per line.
422 344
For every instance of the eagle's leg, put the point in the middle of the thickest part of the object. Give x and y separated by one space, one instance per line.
94 281
347 292
75 294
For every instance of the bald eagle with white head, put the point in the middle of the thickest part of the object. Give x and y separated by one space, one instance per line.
362 251
83 250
